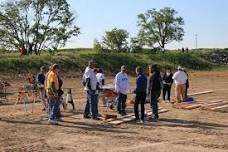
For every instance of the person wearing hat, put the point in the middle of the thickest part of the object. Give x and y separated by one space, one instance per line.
52 87
180 79
121 87
40 82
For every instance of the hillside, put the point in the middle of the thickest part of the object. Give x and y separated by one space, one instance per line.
76 59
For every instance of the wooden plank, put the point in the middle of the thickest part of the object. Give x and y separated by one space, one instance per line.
200 93
131 118
212 105
216 101
223 108
195 106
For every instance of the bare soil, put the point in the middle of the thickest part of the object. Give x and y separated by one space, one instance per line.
177 131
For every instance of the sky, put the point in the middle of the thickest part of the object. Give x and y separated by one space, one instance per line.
206 18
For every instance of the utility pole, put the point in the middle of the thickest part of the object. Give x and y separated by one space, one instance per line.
196 41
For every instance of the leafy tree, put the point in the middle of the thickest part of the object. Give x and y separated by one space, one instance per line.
135 44
160 27
115 39
34 25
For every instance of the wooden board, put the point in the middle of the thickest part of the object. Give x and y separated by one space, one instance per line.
131 118
223 108
195 106
212 105
200 93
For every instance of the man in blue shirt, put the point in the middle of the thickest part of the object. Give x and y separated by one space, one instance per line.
140 91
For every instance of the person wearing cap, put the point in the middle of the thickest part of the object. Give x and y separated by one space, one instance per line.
180 79
121 87
154 89
40 82
52 87
140 91
90 83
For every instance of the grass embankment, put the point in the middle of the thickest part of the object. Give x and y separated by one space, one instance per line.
76 59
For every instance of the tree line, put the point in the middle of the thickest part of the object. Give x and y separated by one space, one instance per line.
30 26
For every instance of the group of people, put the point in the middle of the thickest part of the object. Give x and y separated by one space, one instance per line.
93 80
151 86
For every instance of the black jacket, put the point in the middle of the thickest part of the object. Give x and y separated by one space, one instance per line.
168 79
155 81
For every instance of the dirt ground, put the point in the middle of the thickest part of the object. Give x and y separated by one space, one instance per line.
177 131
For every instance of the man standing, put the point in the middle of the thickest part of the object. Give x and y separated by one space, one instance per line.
121 87
40 82
180 79
91 82
154 89
52 86
140 91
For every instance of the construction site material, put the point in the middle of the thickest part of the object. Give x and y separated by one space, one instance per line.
132 117
212 105
110 116
200 93
223 108
195 106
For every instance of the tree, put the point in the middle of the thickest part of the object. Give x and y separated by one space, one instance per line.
160 27
34 25
135 44
115 39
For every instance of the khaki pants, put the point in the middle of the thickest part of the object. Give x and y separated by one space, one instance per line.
180 92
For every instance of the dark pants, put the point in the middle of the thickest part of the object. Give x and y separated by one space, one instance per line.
154 103
90 107
140 99
166 90
121 103
96 104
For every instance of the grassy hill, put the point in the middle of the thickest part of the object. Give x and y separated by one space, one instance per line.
75 60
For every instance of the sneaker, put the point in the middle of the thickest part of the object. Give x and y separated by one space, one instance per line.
123 114
142 121
52 122
137 120
86 117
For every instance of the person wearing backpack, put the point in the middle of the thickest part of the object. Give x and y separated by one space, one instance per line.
154 88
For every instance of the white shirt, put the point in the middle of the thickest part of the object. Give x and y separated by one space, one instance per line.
89 73
100 77
121 83
180 77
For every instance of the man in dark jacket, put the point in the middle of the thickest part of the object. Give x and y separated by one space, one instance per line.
140 91
154 89
167 84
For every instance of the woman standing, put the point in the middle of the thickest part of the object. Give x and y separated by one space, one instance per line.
167 84
154 89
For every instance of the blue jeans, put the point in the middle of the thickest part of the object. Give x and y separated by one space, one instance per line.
121 103
90 107
96 104
53 109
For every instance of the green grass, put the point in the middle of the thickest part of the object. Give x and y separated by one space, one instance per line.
76 60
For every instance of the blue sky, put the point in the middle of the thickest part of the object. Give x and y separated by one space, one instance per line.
207 18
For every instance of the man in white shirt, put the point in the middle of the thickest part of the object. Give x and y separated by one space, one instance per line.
121 87
90 87
180 79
